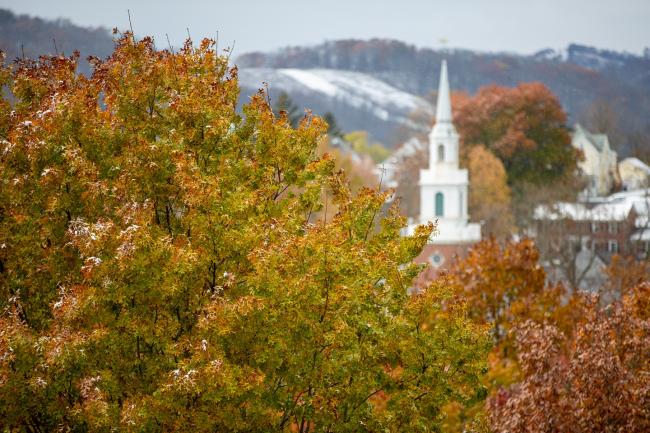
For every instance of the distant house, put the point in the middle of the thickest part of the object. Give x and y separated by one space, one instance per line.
634 174
577 239
599 165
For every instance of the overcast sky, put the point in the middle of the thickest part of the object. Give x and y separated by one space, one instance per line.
522 26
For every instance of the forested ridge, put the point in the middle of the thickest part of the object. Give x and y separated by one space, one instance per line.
579 75
25 36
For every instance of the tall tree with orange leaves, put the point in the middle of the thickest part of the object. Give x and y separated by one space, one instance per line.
496 279
505 285
524 126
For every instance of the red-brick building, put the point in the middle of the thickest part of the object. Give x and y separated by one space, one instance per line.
577 239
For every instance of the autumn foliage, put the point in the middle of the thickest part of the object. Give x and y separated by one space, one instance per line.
169 263
162 269
595 380
490 195
524 126
498 281
561 361
623 274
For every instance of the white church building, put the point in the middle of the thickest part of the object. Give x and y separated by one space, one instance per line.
444 188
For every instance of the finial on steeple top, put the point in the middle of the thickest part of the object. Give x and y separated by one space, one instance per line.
443 108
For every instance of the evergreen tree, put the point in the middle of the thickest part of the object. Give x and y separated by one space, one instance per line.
333 129
285 104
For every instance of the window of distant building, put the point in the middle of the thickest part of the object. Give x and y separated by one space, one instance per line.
441 153
612 246
440 204
612 227
595 227
600 246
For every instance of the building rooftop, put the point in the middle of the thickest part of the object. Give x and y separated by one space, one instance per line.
616 207
598 140
637 163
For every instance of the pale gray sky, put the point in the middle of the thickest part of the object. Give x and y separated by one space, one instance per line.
522 26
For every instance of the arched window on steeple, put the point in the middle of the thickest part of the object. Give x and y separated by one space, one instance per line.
440 204
441 153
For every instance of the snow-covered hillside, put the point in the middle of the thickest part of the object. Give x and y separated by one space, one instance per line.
579 75
353 96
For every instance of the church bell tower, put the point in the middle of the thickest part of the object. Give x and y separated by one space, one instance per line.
443 185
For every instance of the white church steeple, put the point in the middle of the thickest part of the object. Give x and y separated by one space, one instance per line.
444 186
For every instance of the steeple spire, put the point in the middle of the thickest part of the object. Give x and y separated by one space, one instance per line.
443 108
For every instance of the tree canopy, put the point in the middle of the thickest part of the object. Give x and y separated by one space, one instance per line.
161 268
524 126
489 193
561 360
594 379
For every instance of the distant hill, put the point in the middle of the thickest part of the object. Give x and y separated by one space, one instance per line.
358 100
375 84
22 34
579 75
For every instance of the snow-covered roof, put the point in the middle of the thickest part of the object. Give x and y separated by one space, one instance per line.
637 163
561 210
643 193
409 148
616 207
388 168
597 140
639 199
579 212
